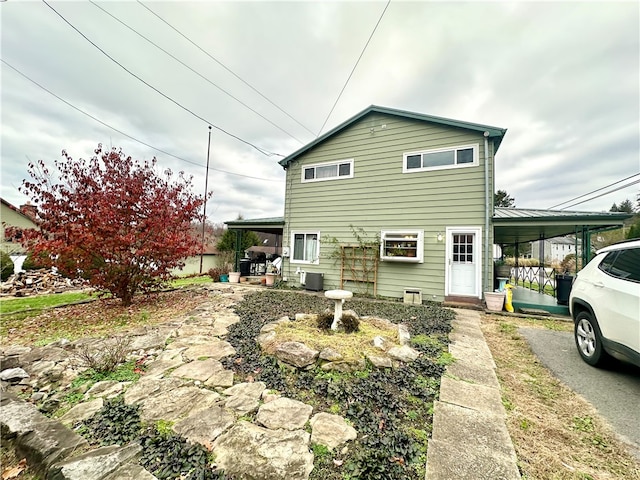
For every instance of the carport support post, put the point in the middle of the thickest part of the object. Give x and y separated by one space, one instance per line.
236 267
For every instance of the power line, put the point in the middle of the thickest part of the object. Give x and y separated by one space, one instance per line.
594 191
263 151
602 194
223 66
126 134
354 68
195 71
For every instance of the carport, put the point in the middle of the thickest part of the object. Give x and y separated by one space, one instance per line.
516 226
273 225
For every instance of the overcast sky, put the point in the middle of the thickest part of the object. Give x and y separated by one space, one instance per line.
563 78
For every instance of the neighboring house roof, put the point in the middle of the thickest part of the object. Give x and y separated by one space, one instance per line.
494 132
18 211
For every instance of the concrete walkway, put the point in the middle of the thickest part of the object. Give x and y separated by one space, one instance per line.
470 438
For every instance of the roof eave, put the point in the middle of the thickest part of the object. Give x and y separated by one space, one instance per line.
495 133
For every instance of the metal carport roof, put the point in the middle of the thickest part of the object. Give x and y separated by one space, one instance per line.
519 225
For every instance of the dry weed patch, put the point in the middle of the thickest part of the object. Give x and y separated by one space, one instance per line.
352 346
556 433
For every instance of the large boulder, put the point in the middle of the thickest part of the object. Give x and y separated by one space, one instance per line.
331 430
252 452
296 354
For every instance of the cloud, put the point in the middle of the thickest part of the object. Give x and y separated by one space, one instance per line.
562 77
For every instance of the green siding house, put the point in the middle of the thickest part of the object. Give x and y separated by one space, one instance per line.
420 185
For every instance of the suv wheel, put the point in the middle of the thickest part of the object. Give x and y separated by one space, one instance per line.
589 339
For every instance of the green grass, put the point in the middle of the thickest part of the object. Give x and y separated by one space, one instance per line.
185 281
41 302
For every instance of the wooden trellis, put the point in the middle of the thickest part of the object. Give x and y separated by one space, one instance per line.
359 264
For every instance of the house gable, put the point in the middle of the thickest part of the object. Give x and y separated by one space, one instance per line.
381 195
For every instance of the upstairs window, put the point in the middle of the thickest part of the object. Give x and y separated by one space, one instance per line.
328 171
456 157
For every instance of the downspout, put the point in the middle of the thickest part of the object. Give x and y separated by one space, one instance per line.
486 212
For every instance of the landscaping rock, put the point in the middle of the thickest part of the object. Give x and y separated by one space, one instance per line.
242 404
243 397
170 358
206 426
296 354
266 339
222 378
153 339
148 387
331 430
253 390
216 349
380 361
131 472
95 465
13 374
344 366
37 438
306 317
404 354
265 454
106 388
403 334
82 411
330 355
382 343
284 413
198 369
175 404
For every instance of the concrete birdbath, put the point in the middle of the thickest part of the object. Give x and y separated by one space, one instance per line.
339 296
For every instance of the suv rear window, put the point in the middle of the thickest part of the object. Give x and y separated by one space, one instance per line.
624 264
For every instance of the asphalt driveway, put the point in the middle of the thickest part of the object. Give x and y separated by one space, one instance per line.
614 392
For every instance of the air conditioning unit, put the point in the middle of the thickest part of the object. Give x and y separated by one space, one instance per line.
314 281
413 295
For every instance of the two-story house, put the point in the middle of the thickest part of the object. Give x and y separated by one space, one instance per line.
421 185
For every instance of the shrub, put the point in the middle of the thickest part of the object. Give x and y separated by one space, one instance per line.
32 262
107 357
325 319
350 322
6 266
215 272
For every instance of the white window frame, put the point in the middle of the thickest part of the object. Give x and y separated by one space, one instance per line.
398 236
314 261
327 164
475 163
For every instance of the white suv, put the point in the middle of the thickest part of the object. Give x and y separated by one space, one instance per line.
605 305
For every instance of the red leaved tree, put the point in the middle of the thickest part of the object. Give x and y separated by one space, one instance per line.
112 220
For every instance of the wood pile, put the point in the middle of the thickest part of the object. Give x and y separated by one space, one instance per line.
39 282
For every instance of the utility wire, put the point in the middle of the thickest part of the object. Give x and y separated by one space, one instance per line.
126 134
195 71
354 68
594 191
261 150
223 65
602 194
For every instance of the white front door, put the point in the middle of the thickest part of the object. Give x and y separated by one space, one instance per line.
463 261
